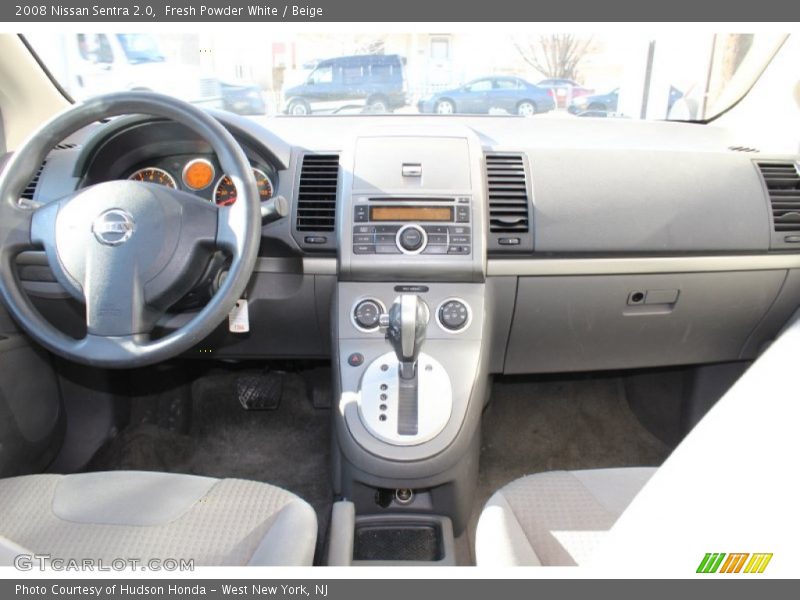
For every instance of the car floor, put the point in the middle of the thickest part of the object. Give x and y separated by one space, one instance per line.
531 424
288 447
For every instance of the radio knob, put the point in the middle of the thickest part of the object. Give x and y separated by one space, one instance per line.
411 238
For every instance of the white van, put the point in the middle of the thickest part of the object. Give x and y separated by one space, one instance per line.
88 64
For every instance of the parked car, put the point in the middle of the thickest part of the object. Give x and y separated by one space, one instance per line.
565 90
481 96
242 98
374 82
601 105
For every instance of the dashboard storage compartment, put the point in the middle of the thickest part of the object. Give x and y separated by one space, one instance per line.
594 322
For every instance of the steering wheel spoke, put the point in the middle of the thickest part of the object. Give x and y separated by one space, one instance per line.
15 230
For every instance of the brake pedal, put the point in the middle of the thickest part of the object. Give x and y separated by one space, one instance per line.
260 391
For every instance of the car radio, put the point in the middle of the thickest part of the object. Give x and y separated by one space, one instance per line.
390 225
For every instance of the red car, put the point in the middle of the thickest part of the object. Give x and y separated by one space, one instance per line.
564 91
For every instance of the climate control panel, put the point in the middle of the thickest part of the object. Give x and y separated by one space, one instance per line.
453 315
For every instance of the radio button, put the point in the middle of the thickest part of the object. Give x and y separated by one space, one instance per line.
360 214
385 238
435 229
459 239
462 214
458 250
437 238
388 248
363 229
363 238
459 230
435 249
363 249
387 228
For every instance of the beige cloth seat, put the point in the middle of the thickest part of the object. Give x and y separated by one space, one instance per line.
148 515
556 518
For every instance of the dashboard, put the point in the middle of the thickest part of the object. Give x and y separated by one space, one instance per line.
602 243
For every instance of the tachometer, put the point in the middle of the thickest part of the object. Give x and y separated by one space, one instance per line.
225 191
154 175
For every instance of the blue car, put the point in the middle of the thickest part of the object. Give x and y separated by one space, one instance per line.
489 94
601 105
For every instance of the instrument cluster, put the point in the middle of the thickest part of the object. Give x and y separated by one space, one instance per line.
201 176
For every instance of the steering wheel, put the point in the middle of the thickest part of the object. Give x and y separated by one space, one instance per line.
127 249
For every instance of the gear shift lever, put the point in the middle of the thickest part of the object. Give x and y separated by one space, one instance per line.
408 319
405 329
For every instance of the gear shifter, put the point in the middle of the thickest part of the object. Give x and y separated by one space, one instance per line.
408 319
405 329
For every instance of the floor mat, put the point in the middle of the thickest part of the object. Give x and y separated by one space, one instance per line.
542 424
288 447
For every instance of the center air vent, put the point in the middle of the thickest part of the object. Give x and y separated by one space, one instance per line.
783 185
510 207
316 196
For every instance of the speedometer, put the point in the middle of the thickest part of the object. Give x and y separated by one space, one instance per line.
225 191
154 175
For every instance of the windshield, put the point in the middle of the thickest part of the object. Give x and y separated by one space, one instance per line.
686 76
139 48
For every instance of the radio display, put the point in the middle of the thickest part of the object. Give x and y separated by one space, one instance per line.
411 213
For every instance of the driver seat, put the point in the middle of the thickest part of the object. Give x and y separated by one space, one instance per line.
152 515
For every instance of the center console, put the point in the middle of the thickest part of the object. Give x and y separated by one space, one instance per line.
411 370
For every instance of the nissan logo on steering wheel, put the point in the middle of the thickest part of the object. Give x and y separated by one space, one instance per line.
113 227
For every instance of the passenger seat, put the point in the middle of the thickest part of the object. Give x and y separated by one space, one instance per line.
556 518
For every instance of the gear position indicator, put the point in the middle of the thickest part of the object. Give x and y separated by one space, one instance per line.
380 402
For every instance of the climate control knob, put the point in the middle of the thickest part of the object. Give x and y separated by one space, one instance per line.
453 315
367 314
412 239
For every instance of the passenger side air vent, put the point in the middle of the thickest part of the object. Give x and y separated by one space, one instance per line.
783 185
510 205
30 190
316 195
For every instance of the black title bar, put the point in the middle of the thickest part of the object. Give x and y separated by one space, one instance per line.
331 11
